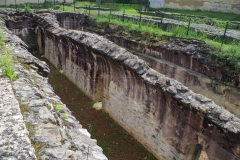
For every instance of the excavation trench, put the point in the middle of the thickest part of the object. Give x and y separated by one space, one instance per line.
170 120
117 144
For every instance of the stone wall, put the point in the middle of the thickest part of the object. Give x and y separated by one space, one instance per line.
230 6
166 117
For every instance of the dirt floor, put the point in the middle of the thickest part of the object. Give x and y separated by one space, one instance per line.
117 144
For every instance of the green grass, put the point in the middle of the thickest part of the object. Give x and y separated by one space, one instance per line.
230 52
133 9
6 59
221 16
7 66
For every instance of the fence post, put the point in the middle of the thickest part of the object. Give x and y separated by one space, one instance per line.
123 2
130 2
89 10
54 4
38 4
225 31
63 6
123 14
74 5
16 4
98 10
110 14
162 19
189 22
140 18
5 3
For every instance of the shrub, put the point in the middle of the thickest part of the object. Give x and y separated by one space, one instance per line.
27 8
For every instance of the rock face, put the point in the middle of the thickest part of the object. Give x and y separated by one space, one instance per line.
183 60
169 119
49 136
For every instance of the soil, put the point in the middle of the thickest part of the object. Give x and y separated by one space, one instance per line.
117 144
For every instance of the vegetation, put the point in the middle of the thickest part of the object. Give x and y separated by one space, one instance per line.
6 59
27 8
58 107
64 116
230 52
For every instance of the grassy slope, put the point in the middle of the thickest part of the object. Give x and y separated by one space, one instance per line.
134 8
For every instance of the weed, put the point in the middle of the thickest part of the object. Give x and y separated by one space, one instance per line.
6 59
90 128
58 107
6 62
24 108
64 116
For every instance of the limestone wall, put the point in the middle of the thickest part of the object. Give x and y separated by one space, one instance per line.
230 6
166 117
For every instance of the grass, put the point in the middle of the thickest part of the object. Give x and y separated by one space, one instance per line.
221 16
230 52
6 59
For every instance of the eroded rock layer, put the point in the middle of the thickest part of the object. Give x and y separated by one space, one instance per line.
165 116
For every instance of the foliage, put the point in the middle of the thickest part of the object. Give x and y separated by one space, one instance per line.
58 107
26 8
230 52
6 59
7 66
64 116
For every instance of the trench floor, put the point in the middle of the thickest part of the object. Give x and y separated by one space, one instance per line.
117 144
